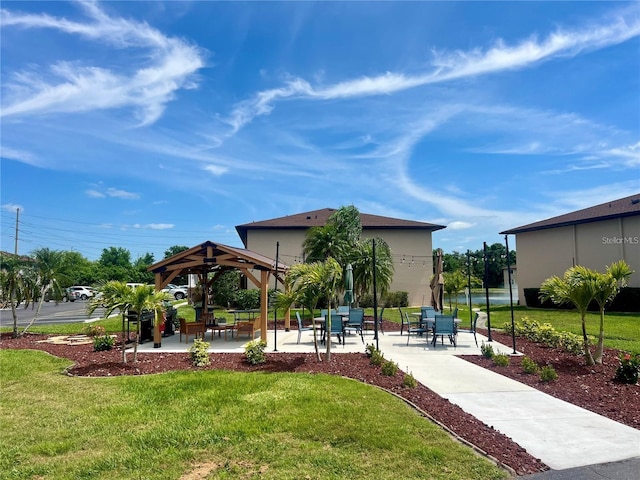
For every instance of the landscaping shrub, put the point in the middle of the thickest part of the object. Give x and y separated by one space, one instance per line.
548 374
254 352
627 371
377 358
246 299
103 343
547 335
93 330
389 368
501 360
409 381
486 350
370 349
529 366
199 353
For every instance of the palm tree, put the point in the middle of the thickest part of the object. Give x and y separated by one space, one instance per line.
363 267
454 283
576 289
116 295
608 285
48 268
300 292
16 284
310 282
323 242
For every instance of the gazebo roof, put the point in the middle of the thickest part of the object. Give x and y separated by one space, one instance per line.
213 257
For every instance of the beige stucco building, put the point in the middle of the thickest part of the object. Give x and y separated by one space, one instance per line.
594 237
409 241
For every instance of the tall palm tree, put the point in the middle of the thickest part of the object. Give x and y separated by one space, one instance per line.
323 242
16 284
608 285
363 267
577 289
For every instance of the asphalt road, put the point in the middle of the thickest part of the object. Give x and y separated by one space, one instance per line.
63 312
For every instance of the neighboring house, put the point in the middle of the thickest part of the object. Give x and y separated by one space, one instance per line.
409 241
594 237
514 278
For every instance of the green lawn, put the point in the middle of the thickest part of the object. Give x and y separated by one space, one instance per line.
232 425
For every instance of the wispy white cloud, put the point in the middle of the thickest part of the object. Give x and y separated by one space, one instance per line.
458 225
97 192
157 226
12 207
19 155
117 193
216 170
94 193
449 66
71 87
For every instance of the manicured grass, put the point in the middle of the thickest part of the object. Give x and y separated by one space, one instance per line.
232 425
621 330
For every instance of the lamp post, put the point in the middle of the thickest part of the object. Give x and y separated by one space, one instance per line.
469 287
275 308
513 325
375 293
486 289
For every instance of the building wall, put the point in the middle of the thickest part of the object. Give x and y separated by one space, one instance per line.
544 253
412 275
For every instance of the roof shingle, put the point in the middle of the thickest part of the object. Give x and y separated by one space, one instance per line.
318 218
624 207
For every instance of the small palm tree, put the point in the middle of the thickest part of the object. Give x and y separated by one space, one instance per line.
16 284
308 283
116 295
573 289
454 283
608 286
47 268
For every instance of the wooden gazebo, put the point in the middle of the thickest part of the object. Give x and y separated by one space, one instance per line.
216 258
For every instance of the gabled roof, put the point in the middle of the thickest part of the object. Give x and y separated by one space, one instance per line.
317 218
624 207
212 256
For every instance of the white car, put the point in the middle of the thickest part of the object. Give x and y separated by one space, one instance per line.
79 292
176 291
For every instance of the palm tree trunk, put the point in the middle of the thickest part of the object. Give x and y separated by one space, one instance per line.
124 341
35 317
597 358
327 329
585 341
15 318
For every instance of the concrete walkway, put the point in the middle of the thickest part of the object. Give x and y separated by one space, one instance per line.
560 434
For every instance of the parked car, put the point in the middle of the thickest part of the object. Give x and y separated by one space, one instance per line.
176 291
79 292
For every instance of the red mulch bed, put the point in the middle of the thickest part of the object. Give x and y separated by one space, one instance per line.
591 388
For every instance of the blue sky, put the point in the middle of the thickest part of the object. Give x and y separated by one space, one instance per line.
149 124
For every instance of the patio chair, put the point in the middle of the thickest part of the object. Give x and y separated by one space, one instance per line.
301 328
356 322
343 309
415 326
404 321
444 325
472 329
337 328
191 328
372 324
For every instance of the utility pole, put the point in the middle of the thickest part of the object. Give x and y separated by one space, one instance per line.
15 250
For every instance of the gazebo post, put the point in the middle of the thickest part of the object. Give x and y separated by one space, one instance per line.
157 337
264 303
